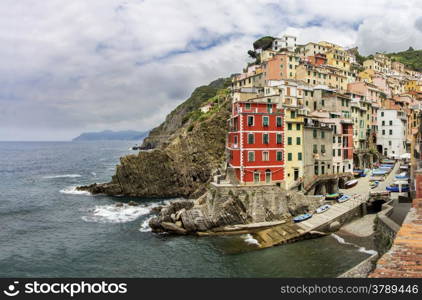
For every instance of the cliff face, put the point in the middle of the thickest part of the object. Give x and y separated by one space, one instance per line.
161 136
180 166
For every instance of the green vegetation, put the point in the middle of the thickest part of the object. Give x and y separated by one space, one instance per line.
411 58
263 43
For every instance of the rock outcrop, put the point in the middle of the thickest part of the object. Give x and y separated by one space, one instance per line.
232 205
183 165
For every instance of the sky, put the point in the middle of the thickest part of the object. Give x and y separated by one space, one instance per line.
68 67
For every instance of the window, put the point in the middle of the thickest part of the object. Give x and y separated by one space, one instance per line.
279 156
292 114
251 138
269 108
322 102
322 134
299 156
235 140
383 132
334 152
250 121
289 140
391 132
316 169
251 156
279 138
279 122
322 169
248 106
289 156
265 121
289 126
315 149
297 126
338 152
382 114
298 141
391 123
315 133
322 148
389 143
265 156
383 123
265 138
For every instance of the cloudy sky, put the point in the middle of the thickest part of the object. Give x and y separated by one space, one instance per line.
73 66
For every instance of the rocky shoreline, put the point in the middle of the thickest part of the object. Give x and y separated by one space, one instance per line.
221 207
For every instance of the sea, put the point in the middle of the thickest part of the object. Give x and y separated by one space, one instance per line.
49 229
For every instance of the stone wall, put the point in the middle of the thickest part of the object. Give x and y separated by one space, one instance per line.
384 229
404 259
361 270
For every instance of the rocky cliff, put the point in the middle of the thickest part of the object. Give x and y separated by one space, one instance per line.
181 164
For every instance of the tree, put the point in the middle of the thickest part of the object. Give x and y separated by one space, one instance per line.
410 49
252 53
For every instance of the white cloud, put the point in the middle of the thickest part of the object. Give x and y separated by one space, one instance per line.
69 66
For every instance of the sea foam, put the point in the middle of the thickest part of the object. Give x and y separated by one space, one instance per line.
248 238
122 213
360 249
74 191
115 214
62 176
145 225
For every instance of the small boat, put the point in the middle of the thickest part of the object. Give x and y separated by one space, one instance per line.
334 196
402 175
351 183
322 208
374 184
379 172
388 161
301 218
395 187
343 198
386 166
359 173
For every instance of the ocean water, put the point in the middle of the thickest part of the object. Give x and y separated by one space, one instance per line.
47 229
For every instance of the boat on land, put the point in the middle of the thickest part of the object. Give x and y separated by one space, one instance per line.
374 184
402 175
388 161
322 208
343 198
351 183
359 173
334 196
398 186
376 172
301 218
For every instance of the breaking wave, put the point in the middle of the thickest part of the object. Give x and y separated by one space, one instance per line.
360 249
248 238
74 191
62 176
145 225
122 213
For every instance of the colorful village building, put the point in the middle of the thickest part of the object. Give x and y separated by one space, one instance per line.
256 142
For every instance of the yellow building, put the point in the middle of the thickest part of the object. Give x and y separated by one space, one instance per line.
322 75
294 147
413 86
366 75
338 58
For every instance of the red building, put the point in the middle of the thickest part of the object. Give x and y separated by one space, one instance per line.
256 142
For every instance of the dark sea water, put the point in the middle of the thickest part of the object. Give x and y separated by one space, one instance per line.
48 230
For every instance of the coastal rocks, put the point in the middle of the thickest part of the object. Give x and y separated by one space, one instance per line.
223 206
180 169
334 226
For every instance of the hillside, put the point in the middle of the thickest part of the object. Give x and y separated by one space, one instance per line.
161 135
107 135
411 58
